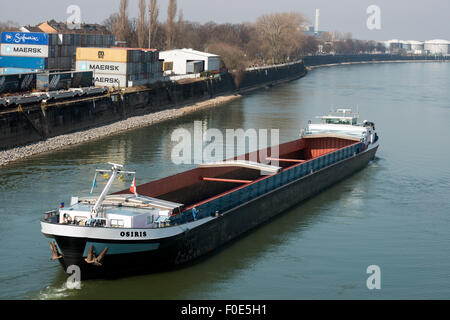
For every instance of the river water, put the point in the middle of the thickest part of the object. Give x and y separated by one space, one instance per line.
394 214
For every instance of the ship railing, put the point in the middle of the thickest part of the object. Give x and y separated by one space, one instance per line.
51 216
261 187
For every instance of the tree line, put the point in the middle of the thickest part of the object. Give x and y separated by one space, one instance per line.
271 39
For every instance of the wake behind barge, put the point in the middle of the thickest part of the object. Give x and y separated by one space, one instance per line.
171 221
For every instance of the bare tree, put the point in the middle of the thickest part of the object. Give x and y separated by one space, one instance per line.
142 25
232 57
280 34
153 24
111 23
9 26
170 24
122 23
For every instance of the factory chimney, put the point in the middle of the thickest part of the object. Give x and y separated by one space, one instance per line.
316 24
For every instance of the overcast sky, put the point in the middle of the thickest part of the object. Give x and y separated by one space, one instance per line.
402 19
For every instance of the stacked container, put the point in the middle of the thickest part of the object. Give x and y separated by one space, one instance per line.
119 67
46 51
24 50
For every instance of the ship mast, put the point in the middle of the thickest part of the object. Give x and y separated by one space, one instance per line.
115 170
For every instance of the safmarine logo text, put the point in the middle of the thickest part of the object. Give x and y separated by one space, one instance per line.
25 38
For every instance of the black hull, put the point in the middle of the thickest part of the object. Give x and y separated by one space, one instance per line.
180 249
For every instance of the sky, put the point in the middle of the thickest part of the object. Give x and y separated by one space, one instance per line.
398 19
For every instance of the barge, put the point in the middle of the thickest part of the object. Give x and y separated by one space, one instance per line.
165 223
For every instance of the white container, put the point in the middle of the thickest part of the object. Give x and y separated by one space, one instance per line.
24 50
110 80
101 67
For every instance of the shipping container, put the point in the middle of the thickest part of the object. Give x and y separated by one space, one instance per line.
17 70
24 50
53 39
110 80
103 54
77 40
102 67
23 62
24 38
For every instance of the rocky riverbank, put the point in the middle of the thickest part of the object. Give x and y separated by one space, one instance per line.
71 139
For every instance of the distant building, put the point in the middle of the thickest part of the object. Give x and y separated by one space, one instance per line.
417 47
184 58
314 29
310 31
53 26
437 47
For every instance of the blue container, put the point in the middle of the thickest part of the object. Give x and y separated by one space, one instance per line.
23 62
17 70
25 38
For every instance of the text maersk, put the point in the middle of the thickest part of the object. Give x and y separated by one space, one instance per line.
117 68
109 67
107 80
24 50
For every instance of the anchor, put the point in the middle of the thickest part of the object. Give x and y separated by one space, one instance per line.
92 259
55 253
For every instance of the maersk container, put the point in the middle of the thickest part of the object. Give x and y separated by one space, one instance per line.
103 67
23 62
110 80
24 50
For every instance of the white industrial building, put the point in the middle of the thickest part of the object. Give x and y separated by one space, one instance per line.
181 57
417 47
437 46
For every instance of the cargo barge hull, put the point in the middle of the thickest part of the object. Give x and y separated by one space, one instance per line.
165 253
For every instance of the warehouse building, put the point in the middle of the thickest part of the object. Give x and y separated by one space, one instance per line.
417 47
185 61
437 47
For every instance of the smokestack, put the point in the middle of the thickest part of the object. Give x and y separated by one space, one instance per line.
316 25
